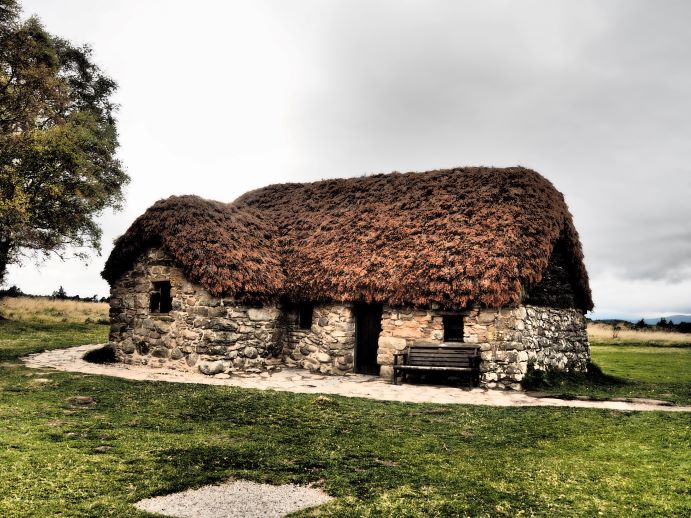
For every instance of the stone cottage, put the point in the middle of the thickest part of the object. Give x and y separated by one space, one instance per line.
336 276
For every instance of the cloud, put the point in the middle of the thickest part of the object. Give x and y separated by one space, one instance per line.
634 299
228 97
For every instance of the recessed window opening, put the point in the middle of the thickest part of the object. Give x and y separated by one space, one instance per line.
305 312
160 300
453 328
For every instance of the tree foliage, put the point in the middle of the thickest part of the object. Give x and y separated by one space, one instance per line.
58 139
60 293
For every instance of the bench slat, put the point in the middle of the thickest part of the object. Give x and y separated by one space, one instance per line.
445 346
440 355
413 367
443 356
449 357
434 368
448 353
414 357
466 361
445 351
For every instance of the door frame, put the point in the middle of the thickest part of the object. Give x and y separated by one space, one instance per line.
370 367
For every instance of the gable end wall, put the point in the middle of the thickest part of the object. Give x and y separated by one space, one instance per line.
199 331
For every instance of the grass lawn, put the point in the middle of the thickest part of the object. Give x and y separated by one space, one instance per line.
645 362
60 456
22 338
633 369
35 324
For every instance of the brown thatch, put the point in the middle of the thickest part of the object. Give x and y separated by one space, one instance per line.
452 237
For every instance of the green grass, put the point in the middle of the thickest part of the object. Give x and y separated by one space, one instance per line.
19 338
654 371
376 458
644 362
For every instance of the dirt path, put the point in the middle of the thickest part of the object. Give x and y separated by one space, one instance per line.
302 381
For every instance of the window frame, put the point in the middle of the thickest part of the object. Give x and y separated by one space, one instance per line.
450 326
161 297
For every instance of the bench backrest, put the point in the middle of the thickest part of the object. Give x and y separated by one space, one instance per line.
443 355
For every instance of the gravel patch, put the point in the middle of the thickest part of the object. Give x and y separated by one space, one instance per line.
236 499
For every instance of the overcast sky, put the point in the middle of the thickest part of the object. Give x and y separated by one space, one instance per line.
221 97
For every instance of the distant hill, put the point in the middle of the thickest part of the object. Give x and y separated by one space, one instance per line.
612 321
674 318
618 319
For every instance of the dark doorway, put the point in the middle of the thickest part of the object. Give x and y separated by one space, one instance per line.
367 329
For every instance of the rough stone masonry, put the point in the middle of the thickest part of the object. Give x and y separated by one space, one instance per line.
218 336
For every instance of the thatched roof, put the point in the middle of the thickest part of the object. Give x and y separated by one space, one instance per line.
452 237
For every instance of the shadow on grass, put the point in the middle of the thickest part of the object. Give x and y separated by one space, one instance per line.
571 382
258 462
363 481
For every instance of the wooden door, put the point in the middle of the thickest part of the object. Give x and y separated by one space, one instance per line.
367 329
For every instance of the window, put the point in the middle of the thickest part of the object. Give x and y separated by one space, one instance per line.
160 300
453 328
305 311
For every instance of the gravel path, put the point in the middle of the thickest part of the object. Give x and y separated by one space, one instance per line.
236 499
353 385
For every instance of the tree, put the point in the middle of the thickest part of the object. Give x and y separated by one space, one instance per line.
11 292
641 324
58 138
60 293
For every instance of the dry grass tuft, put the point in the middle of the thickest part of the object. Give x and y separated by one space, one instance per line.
45 309
603 332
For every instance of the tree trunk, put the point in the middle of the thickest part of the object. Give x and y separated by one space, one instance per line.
5 246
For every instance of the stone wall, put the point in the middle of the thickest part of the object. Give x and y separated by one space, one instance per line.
202 332
509 338
550 338
326 347
219 336
401 327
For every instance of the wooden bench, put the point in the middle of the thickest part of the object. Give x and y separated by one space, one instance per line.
438 358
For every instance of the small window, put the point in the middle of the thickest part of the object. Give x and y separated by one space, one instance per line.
160 300
453 328
305 311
